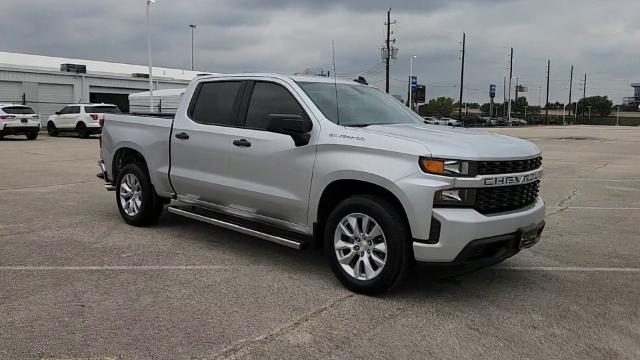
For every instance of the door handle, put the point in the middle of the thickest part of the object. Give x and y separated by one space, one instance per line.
182 136
242 143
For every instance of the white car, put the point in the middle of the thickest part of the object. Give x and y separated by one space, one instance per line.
450 122
18 120
84 119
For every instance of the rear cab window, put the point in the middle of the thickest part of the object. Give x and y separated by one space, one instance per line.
18 110
216 103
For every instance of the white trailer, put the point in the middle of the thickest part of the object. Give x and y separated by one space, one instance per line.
164 101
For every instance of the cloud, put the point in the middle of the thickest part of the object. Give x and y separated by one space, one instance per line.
287 36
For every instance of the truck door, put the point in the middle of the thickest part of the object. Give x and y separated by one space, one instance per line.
269 175
202 140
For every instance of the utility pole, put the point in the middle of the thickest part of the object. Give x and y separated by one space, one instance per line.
193 28
149 2
388 53
517 88
504 94
464 37
510 76
570 87
584 96
546 116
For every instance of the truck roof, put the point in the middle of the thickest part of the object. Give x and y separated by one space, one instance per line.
296 78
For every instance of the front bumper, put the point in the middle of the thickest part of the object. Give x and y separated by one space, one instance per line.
461 227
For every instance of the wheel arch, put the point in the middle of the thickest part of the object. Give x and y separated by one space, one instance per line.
123 156
340 189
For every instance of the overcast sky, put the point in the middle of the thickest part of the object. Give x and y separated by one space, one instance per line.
600 37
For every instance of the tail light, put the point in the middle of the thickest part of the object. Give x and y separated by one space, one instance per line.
94 116
101 122
7 117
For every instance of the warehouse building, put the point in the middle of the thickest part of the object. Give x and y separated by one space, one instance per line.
49 83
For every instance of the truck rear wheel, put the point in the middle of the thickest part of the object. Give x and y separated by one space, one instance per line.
138 203
368 244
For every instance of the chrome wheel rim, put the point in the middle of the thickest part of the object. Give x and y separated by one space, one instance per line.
360 246
130 194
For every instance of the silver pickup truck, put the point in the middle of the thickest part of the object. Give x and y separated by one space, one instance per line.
329 163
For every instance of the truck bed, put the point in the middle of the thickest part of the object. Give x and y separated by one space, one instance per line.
149 135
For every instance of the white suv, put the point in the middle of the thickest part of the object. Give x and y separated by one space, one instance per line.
84 119
18 120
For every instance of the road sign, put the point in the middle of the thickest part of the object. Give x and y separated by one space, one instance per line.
420 94
413 80
492 91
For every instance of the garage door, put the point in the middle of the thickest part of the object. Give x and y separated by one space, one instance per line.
51 98
10 91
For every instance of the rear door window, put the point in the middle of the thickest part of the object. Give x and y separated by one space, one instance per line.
270 98
18 110
216 103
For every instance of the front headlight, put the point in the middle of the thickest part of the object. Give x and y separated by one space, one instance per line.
454 197
446 167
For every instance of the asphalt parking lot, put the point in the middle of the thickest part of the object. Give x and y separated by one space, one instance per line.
76 282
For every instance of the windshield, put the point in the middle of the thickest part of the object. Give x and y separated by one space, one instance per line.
22 110
359 105
102 109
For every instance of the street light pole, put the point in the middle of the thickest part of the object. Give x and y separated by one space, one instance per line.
149 56
193 28
410 81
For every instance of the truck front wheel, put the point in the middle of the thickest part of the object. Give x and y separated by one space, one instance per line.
138 202
368 244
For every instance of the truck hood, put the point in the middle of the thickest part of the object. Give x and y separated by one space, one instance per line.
459 143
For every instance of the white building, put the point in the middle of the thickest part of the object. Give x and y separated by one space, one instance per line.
38 81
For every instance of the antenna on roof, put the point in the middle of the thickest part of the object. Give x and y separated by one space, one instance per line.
335 81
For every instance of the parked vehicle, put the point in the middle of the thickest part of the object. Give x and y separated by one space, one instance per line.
19 120
83 119
279 158
518 122
450 122
431 120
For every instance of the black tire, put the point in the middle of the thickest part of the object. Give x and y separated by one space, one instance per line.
151 204
82 130
396 232
32 136
51 129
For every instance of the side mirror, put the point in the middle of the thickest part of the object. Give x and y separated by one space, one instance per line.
58 112
296 126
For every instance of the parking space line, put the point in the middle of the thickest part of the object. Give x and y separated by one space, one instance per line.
595 180
47 185
230 267
591 208
569 268
124 267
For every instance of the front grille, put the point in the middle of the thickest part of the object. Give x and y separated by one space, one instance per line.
508 167
505 198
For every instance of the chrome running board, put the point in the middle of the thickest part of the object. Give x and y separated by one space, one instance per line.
236 227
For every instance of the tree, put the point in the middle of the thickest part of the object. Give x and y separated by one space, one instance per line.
518 106
442 106
600 105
